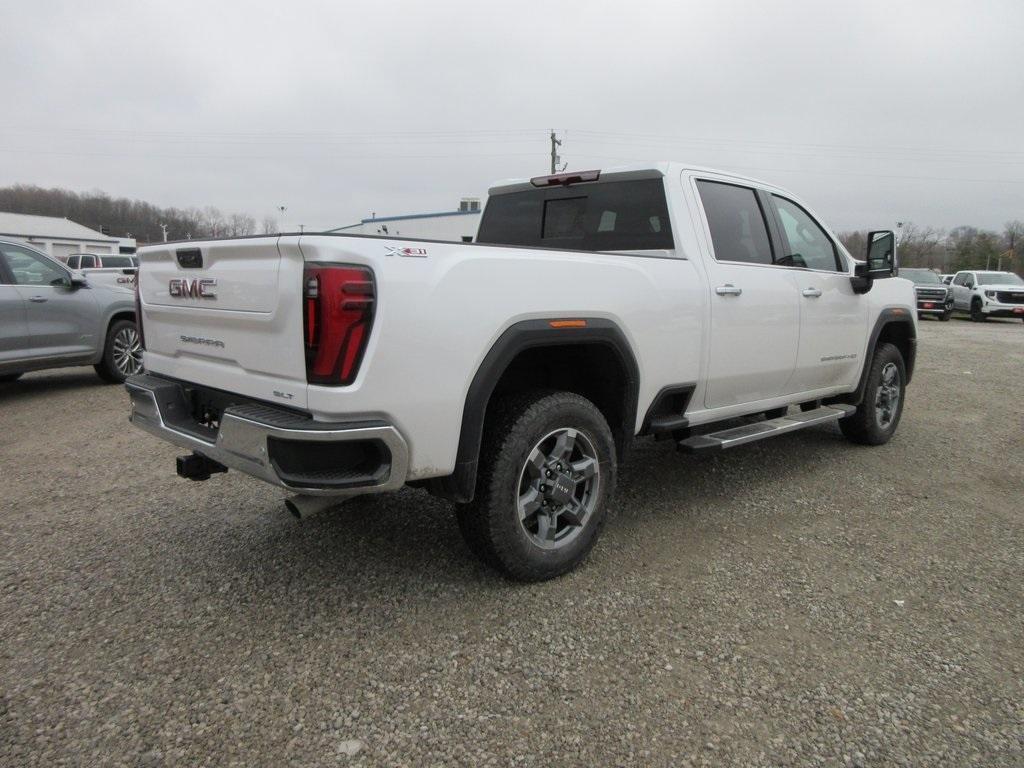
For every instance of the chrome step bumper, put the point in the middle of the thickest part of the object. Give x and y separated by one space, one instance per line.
761 430
270 443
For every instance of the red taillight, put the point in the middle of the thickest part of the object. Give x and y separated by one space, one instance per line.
337 317
138 313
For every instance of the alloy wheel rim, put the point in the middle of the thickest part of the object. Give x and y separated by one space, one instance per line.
127 351
558 488
887 396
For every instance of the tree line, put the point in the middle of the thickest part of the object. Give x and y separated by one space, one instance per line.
960 248
121 217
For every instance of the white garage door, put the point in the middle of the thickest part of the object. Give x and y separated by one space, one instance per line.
64 249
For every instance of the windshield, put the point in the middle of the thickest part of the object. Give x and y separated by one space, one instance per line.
921 276
999 278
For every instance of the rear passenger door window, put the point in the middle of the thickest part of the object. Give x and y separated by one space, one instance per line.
807 245
738 229
27 268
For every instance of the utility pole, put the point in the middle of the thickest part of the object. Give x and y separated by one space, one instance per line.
163 228
555 159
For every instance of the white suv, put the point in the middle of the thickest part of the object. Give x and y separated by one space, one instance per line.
985 294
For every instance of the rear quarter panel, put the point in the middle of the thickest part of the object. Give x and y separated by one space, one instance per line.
438 316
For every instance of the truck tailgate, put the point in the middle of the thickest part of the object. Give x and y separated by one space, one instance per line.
227 314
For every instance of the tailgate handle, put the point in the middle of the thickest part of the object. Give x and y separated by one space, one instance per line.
190 258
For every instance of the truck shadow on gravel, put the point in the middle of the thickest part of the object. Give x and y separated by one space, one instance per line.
407 545
44 384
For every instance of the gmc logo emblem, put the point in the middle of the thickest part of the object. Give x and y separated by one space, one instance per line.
193 289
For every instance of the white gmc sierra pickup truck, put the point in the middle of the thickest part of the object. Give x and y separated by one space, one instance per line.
510 375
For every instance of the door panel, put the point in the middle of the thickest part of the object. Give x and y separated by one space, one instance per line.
833 326
13 326
755 312
961 291
832 317
62 322
754 335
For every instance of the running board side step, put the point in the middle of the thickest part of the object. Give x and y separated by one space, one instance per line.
760 430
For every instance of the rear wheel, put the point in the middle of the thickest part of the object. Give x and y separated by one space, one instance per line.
7 377
547 469
122 354
876 418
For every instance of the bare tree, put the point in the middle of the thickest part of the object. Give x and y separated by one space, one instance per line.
240 224
1013 240
270 225
855 242
922 247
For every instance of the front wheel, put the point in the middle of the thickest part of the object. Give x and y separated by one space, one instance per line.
976 314
122 353
876 418
547 469
944 317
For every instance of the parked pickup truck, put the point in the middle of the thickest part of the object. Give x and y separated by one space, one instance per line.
934 297
511 375
984 294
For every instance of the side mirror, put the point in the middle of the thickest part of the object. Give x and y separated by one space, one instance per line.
881 256
73 281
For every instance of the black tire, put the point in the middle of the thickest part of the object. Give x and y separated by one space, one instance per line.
776 413
867 426
109 368
9 377
944 317
976 314
491 523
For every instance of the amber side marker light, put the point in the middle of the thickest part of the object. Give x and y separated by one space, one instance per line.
568 323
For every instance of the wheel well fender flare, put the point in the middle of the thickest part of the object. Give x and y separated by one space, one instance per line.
528 334
890 318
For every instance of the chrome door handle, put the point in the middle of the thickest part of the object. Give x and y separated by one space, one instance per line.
38 299
728 290
812 292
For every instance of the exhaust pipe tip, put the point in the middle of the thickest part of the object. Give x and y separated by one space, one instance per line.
302 506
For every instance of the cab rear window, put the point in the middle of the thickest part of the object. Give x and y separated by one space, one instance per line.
607 216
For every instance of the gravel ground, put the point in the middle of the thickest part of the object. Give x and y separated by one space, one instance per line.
801 601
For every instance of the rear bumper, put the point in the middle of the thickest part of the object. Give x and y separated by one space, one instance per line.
281 447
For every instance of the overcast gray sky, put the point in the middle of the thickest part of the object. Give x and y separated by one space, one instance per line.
873 112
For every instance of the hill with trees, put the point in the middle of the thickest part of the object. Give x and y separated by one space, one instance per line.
122 217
